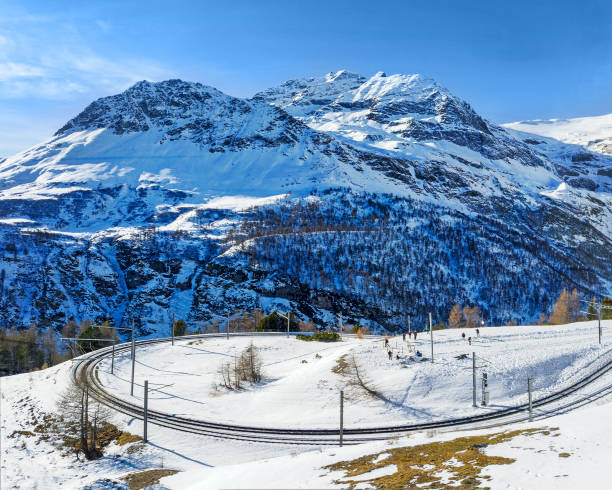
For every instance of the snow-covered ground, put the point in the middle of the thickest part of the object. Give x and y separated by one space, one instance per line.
301 389
594 133
306 394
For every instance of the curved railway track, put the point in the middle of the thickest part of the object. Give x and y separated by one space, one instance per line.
85 372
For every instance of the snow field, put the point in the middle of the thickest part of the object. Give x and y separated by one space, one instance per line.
555 355
302 394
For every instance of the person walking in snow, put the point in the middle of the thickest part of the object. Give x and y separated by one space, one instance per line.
390 354
404 337
477 332
463 335
470 340
415 335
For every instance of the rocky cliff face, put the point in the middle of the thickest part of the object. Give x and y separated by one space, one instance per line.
377 198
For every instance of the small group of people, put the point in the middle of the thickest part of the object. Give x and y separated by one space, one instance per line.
390 354
470 338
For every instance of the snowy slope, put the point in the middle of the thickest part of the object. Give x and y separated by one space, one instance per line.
124 212
594 133
304 394
293 392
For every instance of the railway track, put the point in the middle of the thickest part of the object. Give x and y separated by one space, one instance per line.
85 372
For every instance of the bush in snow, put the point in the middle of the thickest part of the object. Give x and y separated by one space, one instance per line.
245 368
320 337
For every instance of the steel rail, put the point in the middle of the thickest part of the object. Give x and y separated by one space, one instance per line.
86 372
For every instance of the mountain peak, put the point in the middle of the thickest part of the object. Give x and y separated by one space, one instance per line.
145 103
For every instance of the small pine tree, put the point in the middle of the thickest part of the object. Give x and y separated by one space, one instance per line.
606 312
180 328
276 323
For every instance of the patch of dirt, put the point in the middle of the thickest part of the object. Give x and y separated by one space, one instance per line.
421 465
144 479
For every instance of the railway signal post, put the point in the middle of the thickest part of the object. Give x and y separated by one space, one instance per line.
485 393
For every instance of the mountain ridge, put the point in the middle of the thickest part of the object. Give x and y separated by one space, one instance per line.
132 208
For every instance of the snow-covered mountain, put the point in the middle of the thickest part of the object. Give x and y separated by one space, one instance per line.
377 197
594 133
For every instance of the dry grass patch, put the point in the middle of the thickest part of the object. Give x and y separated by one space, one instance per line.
144 479
462 460
342 366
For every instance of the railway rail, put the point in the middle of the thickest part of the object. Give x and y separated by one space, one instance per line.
85 372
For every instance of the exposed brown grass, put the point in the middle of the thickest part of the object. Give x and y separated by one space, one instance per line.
462 459
144 479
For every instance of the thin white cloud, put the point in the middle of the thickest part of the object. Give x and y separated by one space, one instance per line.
44 58
11 71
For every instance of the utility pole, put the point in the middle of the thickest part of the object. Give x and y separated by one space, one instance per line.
133 360
474 379
341 416
431 335
172 328
227 326
146 408
529 381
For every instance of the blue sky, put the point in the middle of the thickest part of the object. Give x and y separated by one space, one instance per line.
511 60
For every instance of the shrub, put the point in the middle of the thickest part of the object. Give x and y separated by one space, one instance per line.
320 337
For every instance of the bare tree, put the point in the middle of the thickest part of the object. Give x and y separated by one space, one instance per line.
83 417
247 368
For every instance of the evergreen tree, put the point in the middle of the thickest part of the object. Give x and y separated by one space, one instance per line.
180 328
606 312
276 323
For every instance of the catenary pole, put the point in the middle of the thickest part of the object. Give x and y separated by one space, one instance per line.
474 404
341 416
133 360
172 328
132 338
529 381
113 359
431 336
146 409
599 319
